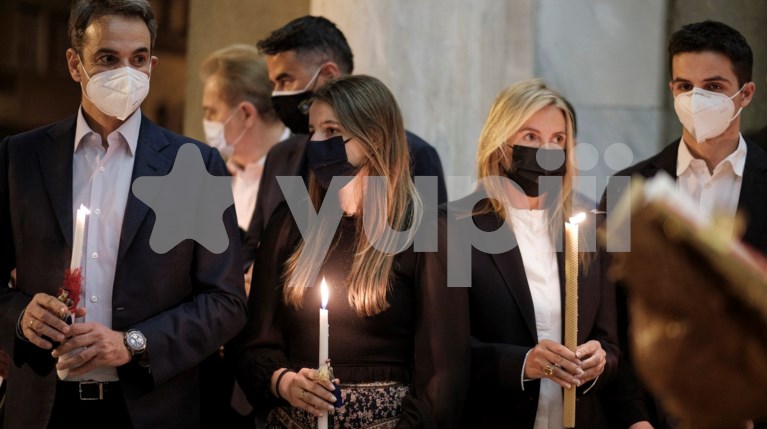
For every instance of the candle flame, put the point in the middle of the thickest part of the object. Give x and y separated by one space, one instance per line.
324 292
578 218
84 209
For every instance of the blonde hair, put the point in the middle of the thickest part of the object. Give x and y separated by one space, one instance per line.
368 112
513 107
242 76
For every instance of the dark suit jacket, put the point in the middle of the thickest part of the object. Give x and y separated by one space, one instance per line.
625 398
288 158
503 330
186 302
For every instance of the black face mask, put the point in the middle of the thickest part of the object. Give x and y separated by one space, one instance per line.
327 158
293 110
526 171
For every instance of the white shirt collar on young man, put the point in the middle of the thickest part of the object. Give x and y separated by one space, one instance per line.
715 192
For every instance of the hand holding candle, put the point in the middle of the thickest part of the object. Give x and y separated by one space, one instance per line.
322 422
571 307
69 293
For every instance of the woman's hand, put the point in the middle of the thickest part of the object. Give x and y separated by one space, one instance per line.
593 360
554 361
303 390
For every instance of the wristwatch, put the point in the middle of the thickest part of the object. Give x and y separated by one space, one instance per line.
135 342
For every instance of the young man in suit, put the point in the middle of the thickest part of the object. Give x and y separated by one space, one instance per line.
149 318
711 82
301 56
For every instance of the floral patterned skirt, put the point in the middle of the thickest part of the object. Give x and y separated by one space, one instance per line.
366 405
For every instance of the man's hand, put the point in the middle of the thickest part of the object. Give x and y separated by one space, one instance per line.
42 317
5 362
103 347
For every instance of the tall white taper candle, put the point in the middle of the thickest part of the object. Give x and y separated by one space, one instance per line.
571 308
322 422
78 241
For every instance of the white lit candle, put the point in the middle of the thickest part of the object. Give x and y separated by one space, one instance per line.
77 243
75 264
322 422
571 307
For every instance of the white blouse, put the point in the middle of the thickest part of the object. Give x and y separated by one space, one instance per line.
539 259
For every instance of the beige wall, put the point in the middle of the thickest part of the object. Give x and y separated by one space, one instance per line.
444 60
215 24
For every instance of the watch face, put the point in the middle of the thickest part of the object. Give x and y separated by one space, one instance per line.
136 340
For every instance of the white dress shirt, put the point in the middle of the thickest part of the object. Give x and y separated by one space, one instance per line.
539 258
717 192
245 183
101 182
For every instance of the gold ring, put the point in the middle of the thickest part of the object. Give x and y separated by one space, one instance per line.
548 371
301 396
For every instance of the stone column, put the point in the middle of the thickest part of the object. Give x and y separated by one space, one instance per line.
608 59
444 60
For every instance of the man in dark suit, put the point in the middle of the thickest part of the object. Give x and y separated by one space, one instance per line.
301 56
711 81
149 318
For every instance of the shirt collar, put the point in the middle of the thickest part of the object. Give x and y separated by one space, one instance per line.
129 129
737 159
285 134
251 171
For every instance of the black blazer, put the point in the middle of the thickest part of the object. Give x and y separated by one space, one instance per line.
503 330
626 399
186 302
288 158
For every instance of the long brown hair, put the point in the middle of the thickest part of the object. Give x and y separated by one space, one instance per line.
368 112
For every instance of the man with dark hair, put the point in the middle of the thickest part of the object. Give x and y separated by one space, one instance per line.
301 57
711 65
146 320
310 38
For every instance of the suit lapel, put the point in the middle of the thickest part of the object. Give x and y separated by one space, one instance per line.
665 161
153 158
55 157
512 269
752 199
299 165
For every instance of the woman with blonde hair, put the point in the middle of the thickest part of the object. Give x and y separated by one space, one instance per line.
399 338
526 171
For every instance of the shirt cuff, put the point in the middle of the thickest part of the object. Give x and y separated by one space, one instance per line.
19 332
522 376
